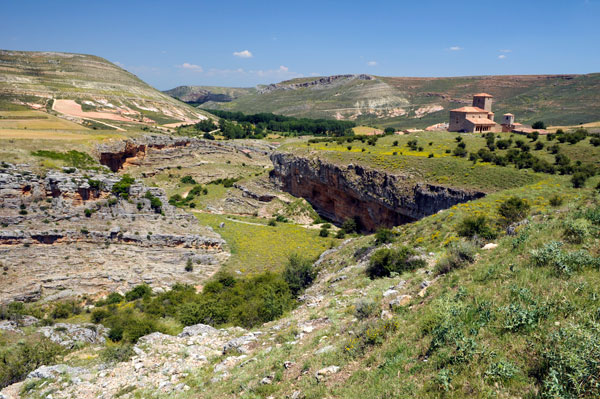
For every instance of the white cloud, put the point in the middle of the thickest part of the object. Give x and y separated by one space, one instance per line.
119 64
502 56
191 67
372 63
243 54
455 48
505 51
284 68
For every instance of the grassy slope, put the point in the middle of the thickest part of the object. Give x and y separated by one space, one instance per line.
467 310
34 77
569 99
443 168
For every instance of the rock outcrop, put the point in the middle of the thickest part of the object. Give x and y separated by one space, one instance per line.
119 154
376 198
66 234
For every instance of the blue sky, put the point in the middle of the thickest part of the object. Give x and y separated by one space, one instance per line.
244 43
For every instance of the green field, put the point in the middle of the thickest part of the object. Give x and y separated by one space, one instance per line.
257 247
442 167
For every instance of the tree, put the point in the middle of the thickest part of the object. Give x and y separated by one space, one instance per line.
299 273
538 125
389 130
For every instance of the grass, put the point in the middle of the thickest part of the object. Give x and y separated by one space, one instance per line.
35 120
257 247
442 168
490 329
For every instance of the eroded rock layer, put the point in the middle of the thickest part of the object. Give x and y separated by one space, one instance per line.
375 198
67 234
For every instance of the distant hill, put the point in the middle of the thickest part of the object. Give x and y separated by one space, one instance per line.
202 94
419 102
102 89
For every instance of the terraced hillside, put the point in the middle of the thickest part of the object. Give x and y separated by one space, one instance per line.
419 102
85 87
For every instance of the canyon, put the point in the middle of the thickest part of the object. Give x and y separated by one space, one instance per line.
374 198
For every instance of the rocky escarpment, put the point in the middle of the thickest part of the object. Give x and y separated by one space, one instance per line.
119 154
375 198
316 83
67 234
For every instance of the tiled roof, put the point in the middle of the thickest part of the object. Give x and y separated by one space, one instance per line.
481 121
469 109
482 95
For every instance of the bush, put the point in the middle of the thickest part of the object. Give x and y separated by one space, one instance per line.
138 292
189 266
299 274
458 256
188 180
117 353
386 261
575 231
476 226
364 309
570 360
556 200
384 236
563 263
21 358
501 371
100 314
324 232
514 209
578 179
155 202
538 125
121 188
350 225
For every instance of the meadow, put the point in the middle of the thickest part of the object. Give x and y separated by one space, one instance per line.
256 246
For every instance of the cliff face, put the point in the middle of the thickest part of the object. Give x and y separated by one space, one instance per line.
376 198
119 154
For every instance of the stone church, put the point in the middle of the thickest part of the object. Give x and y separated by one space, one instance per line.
476 119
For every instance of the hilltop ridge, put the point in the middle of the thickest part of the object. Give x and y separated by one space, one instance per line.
422 101
85 84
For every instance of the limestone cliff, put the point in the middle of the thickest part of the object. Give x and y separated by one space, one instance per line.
376 198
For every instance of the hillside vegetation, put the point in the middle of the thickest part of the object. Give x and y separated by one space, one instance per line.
35 79
419 102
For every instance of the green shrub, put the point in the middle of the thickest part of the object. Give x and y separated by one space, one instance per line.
155 202
121 188
575 231
386 261
578 179
299 274
137 292
570 361
117 353
457 256
187 180
563 262
248 302
364 309
99 314
63 310
351 225
514 209
324 232
556 200
476 226
21 358
502 370
189 266
384 236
